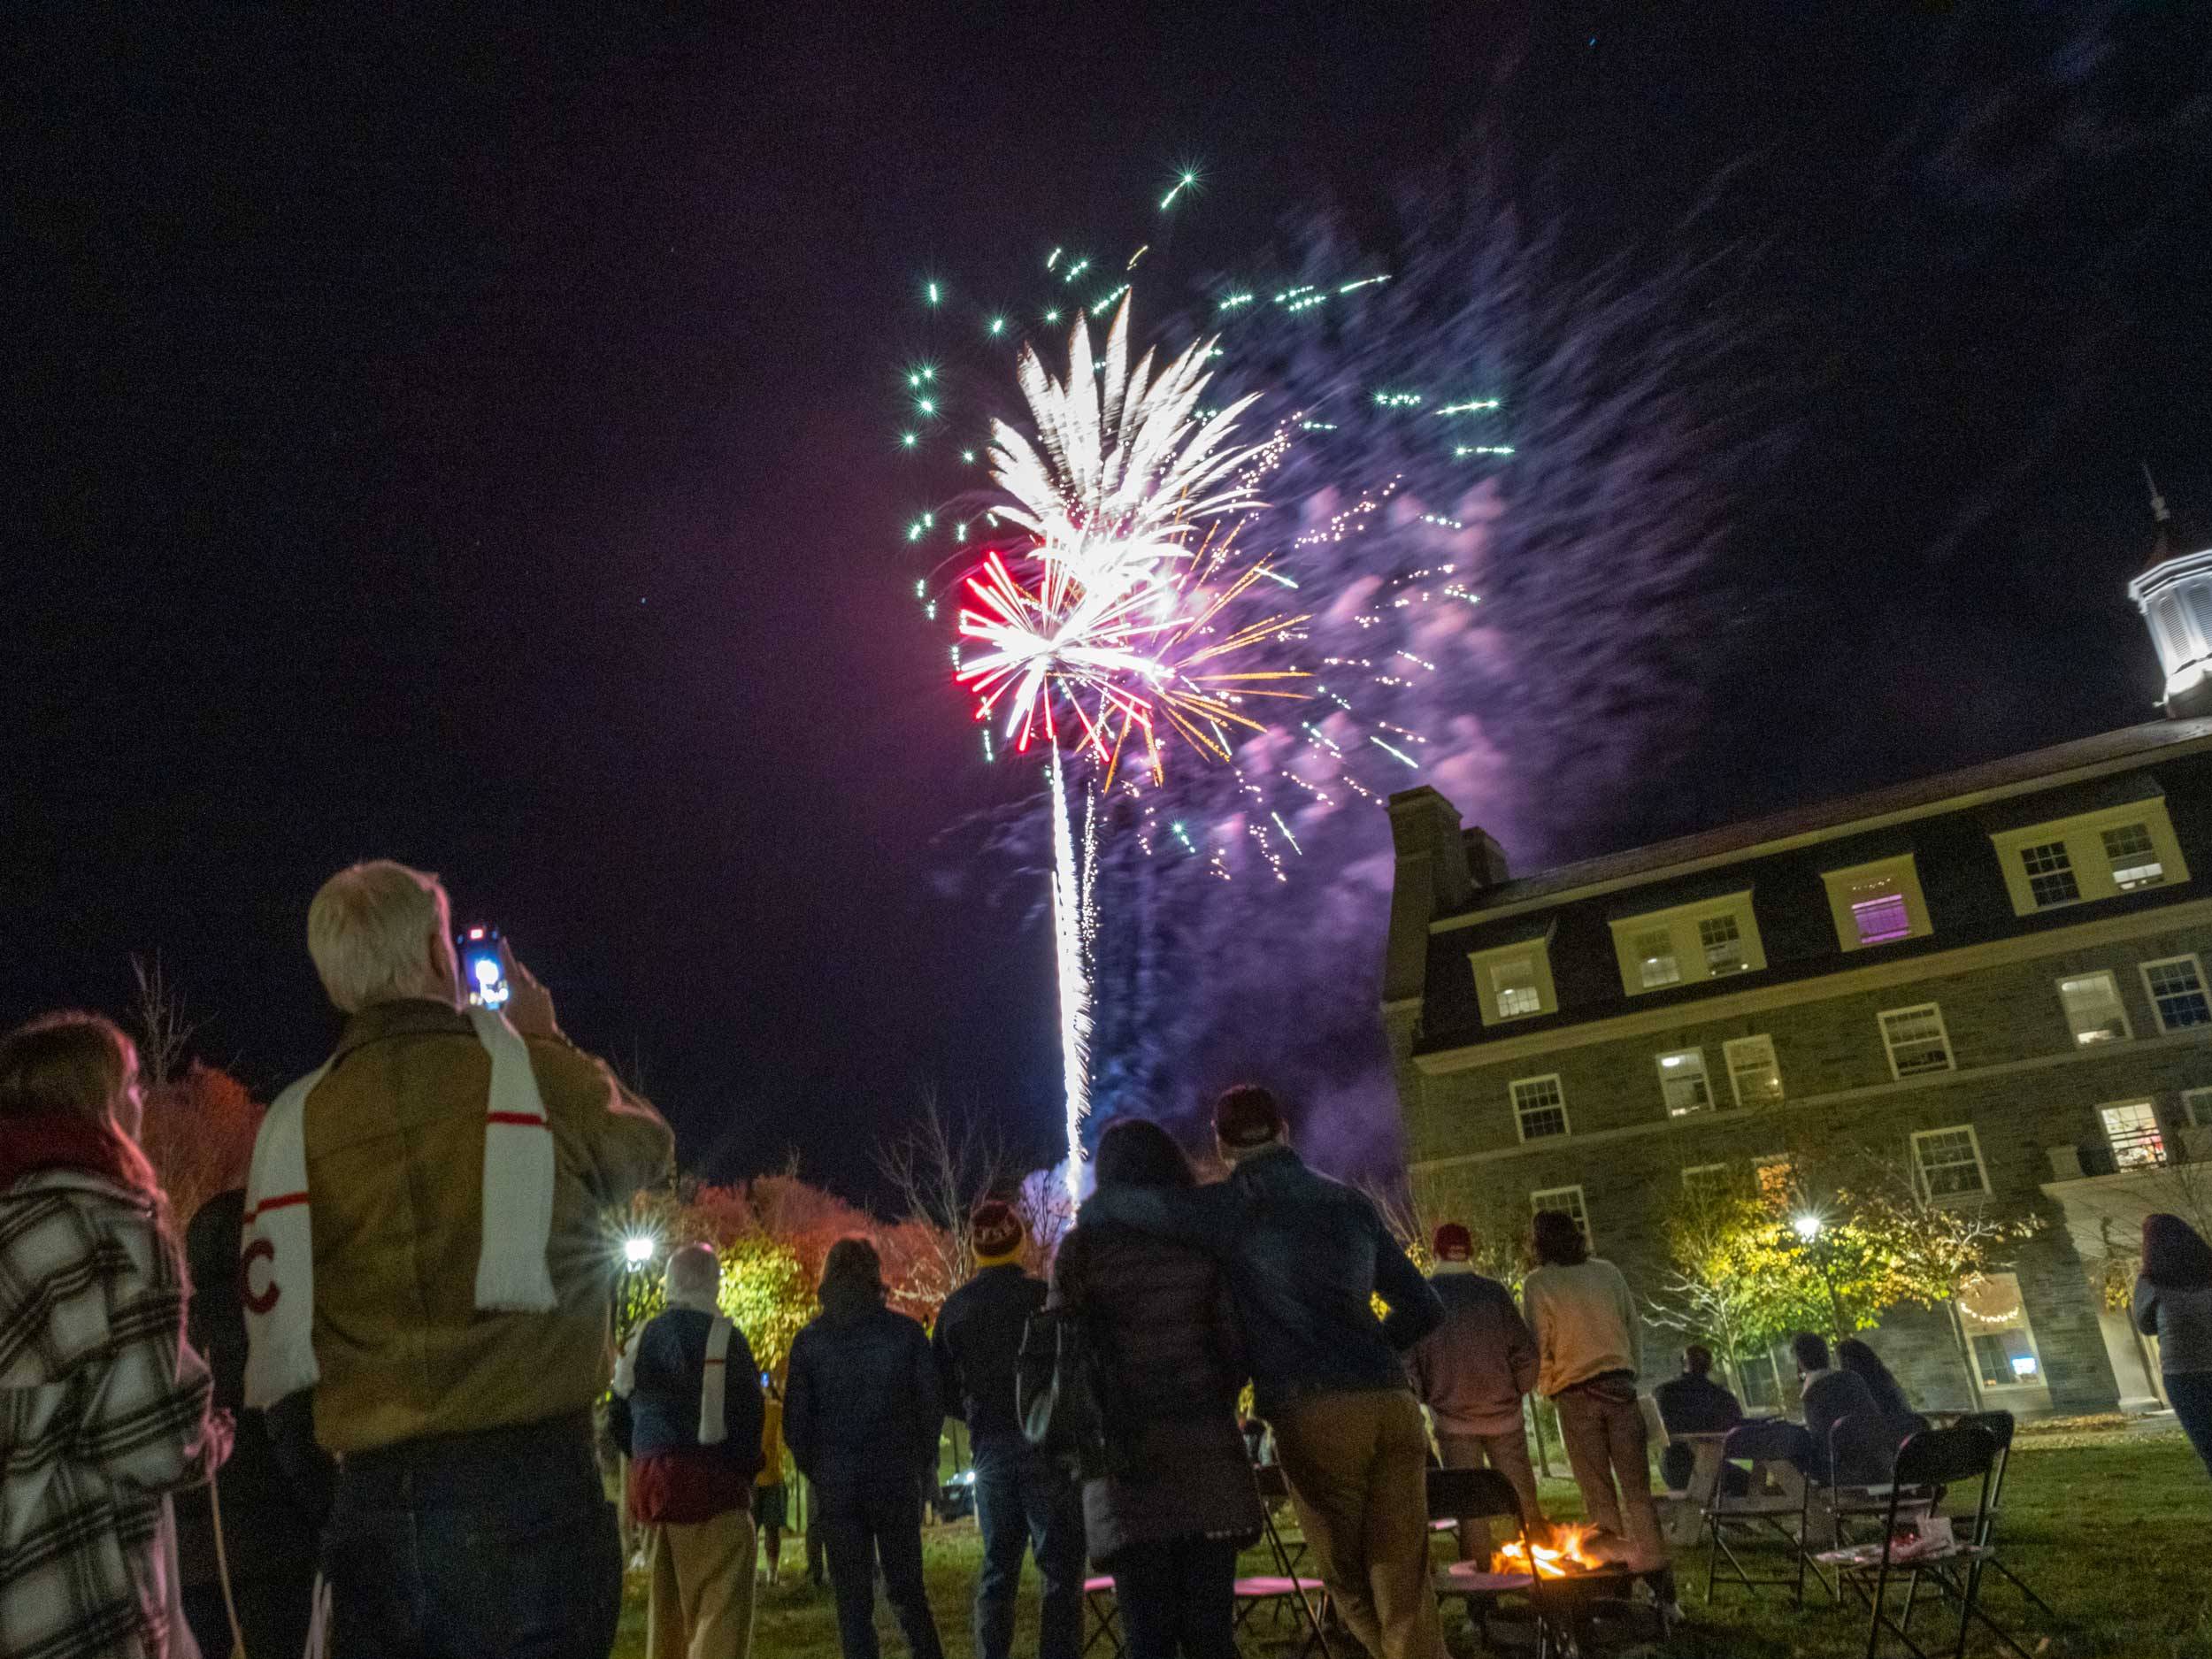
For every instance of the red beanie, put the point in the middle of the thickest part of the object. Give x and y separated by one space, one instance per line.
1453 1243
997 1230
1247 1117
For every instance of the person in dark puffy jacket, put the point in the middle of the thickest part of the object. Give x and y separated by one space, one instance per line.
862 1413
1163 1317
1023 1497
686 1409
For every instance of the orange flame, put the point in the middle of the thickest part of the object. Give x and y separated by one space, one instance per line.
1553 1560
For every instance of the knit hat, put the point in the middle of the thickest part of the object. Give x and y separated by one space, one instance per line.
1247 1117
997 1232
1454 1243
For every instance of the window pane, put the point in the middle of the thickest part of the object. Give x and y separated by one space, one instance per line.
2050 873
1761 1381
1948 1167
2196 1105
1541 1106
1682 1082
1881 918
1916 1039
1723 942
1654 958
1753 1076
2005 1359
2132 1132
2092 1007
2177 989
1562 1198
1515 983
2134 863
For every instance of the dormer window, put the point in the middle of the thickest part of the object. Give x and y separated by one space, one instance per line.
1877 903
2089 857
1712 938
1514 981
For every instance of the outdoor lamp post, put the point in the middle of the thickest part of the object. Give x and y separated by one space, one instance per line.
1810 1226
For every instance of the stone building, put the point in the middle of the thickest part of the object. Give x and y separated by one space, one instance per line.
2000 973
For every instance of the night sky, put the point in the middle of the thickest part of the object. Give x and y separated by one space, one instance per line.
467 444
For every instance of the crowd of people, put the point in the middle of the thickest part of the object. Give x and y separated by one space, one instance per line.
350 1407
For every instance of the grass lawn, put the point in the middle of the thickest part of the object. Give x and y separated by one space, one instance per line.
2115 1530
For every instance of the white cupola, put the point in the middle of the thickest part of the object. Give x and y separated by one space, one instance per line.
2174 593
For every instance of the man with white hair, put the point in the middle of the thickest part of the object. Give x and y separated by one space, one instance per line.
688 1409
424 1249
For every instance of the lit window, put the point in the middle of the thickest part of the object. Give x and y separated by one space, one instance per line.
1514 982
2131 1131
2050 873
1996 1321
2092 1008
1754 1076
2133 857
2177 988
1950 1163
1916 1041
1761 1379
1568 1199
1540 1106
1654 958
2196 1107
1877 903
1682 1082
1723 943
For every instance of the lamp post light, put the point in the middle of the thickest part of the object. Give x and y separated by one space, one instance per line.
638 1250
1808 1226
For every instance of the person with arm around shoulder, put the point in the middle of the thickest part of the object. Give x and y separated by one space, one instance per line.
1589 1349
425 1248
2173 1302
108 1405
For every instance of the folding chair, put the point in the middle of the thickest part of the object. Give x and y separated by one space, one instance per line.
1758 1441
1864 1444
1940 1458
1282 1587
1104 1615
1482 1495
1999 1425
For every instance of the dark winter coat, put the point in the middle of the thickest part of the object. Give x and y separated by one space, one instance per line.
1165 1321
977 1340
861 1406
1829 1397
1472 1369
662 1412
1306 1256
1690 1404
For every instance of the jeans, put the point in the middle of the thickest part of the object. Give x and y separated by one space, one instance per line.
273 1613
1358 1466
2189 1394
1177 1597
1607 1440
1024 1500
1508 1454
862 1522
496 1545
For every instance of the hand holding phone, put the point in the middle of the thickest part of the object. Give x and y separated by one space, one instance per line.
529 1005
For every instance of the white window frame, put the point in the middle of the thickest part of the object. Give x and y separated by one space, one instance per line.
1759 1040
1920 1171
1950 1052
1701 1171
2083 838
1484 964
1520 1121
1691 965
1705 1076
1668 953
2196 1108
2203 989
1580 1209
2138 1103
2150 847
2026 1326
1899 874
2127 1026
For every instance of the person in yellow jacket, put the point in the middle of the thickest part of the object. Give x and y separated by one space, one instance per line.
771 1495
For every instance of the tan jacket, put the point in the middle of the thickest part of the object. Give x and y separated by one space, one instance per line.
396 1170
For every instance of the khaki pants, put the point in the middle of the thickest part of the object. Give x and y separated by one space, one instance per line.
1508 1454
701 1604
1357 1465
1607 1441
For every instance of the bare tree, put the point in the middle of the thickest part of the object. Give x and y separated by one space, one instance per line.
159 1025
940 1171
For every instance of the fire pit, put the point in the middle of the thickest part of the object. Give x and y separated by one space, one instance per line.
1582 1591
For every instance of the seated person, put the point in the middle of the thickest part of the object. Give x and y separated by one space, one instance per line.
1828 1395
1693 1403
1889 1394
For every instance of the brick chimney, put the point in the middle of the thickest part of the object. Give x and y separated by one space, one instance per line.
1441 867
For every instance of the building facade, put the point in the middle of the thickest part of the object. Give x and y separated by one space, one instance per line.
1998 975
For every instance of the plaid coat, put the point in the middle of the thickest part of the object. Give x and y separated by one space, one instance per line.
102 1411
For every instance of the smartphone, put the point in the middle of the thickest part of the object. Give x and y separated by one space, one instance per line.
483 975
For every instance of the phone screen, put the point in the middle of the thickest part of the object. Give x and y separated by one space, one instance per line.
483 976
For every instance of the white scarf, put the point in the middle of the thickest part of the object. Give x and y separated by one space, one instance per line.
277 1262
713 1419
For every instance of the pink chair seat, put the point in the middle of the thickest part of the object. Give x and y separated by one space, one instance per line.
1253 1588
1098 1587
